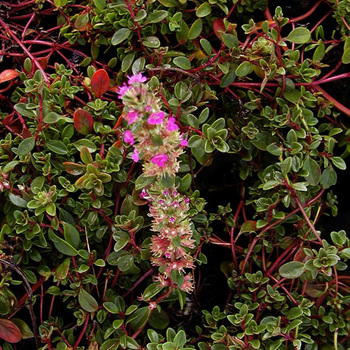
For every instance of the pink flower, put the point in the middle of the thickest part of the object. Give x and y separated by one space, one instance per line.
135 156
170 125
184 143
156 118
138 78
123 90
131 116
129 137
143 194
160 159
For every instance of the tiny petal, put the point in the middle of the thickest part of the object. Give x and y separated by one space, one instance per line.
143 194
172 220
160 159
156 118
123 90
170 125
131 116
129 137
184 143
135 156
138 78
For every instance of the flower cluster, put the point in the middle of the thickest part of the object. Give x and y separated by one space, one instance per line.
157 141
169 210
156 138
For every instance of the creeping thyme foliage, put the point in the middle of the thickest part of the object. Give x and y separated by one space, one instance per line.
194 209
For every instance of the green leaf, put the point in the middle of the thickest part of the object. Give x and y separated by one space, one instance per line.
111 307
300 35
196 29
274 149
138 319
110 344
23 327
71 234
120 35
292 96
87 143
62 246
339 163
169 3
314 171
57 147
244 69
206 46
26 146
51 117
180 339
182 62
328 177
18 201
346 56
87 301
81 21
10 166
159 320
203 10
157 16
21 108
126 262
127 61
292 269
151 41
229 40
100 4
62 269
152 290
143 181
228 79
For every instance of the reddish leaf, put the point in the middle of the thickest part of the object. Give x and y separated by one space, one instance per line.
26 133
13 123
9 331
83 121
8 74
74 168
219 27
100 82
44 61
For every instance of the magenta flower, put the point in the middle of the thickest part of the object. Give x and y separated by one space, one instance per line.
143 194
135 156
138 78
160 159
184 143
129 137
170 125
156 118
131 116
123 90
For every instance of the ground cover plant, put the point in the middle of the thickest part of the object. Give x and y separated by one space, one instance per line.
170 172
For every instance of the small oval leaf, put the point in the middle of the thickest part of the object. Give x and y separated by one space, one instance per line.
83 121
300 35
100 82
292 269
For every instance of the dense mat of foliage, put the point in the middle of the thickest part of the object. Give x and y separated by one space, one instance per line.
167 171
